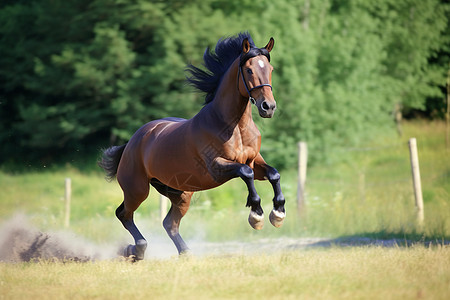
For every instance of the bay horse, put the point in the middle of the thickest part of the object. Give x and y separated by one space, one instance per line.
179 157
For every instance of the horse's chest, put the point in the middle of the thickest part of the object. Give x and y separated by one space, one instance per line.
243 146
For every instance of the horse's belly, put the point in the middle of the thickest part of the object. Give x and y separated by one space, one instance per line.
182 172
187 180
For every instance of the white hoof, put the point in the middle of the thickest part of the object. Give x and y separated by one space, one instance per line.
276 218
255 220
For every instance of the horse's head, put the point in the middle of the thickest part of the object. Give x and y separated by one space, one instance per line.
255 79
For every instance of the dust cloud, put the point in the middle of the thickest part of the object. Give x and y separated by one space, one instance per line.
22 242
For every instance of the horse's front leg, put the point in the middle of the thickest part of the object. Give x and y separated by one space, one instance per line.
223 170
262 172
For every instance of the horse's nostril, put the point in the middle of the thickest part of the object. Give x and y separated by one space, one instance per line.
265 106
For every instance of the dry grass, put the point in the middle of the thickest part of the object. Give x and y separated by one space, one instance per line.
336 273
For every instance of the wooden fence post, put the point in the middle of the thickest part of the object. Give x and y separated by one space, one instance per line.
67 199
362 186
163 201
302 165
416 179
447 114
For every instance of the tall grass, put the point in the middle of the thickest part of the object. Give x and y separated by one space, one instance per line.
369 192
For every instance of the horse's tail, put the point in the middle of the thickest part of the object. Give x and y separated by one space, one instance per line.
110 160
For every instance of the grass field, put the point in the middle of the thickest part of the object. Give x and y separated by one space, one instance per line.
367 193
353 273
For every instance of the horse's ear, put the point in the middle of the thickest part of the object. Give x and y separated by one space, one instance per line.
270 44
245 46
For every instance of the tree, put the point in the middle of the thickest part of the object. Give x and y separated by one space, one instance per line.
77 75
71 79
413 33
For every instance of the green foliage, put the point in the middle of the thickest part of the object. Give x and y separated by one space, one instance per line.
78 75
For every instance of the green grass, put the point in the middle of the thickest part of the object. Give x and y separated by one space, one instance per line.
336 273
371 191
368 192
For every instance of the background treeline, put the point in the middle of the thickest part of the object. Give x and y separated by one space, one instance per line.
77 75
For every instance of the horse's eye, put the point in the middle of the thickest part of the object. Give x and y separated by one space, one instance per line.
249 71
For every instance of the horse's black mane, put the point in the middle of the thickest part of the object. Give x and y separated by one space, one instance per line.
218 62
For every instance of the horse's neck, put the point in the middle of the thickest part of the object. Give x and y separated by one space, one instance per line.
228 103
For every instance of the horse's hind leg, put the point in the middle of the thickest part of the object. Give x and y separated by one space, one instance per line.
180 205
171 223
136 251
134 195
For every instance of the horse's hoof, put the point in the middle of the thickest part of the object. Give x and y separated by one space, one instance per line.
255 220
185 254
141 246
130 252
277 217
135 252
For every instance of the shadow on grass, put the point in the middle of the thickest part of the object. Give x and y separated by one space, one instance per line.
384 239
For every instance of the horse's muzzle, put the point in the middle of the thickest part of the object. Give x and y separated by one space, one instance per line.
266 108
